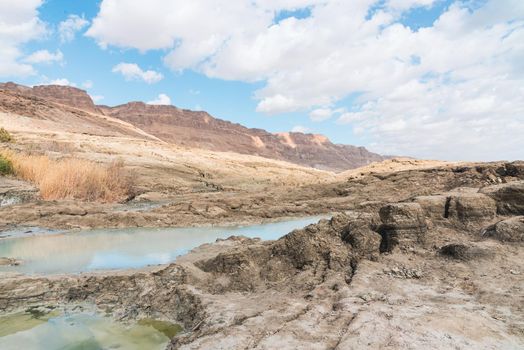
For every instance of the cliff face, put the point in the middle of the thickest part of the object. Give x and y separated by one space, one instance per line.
66 95
201 130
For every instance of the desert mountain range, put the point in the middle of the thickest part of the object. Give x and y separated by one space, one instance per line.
198 129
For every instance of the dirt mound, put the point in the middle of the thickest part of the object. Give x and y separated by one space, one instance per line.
463 252
509 230
509 196
403 224
392 165
317 247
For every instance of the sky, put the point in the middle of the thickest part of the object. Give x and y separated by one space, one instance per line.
434 79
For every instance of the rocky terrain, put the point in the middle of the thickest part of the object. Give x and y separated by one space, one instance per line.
201 130
431 270
417 254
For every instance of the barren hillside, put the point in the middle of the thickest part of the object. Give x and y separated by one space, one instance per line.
201 130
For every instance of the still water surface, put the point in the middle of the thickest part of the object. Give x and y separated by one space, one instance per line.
106 249
74 332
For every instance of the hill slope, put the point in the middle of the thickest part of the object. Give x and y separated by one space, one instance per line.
201 130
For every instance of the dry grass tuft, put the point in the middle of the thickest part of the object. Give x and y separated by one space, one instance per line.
5 136
72 178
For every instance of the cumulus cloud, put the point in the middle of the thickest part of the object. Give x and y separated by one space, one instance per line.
45 57
62 82
450 90
132 71
320 114
300 128
19 24
277 104
67 29
162 99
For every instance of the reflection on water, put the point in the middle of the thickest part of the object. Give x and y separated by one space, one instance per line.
123 248
79 331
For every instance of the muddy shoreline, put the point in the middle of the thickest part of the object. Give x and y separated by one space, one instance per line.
406 251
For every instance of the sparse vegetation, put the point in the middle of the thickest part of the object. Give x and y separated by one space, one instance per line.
6 167
5 136
71 178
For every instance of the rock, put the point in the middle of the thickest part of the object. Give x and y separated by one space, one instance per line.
402 215
363 240
513 169
214 211
9 261
315 244
402 224
467 207
509 197
510 230
463 252
252 266
403 272
433 206
15 191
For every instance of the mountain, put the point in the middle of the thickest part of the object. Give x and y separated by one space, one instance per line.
67 95
201 130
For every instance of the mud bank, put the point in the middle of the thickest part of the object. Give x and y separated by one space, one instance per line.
434 271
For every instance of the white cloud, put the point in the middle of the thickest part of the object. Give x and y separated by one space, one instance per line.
19 24
61 81
44 56
407 4
320 114
67 29
162 99
277 104
450 90
132 71
97 98
300 128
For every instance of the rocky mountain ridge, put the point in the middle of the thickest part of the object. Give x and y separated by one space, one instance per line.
199 129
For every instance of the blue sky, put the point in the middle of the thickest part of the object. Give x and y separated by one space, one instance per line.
385 74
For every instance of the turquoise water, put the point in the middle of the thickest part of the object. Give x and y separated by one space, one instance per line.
107 249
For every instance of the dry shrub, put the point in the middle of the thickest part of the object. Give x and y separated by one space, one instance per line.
72 178
6 168
5 136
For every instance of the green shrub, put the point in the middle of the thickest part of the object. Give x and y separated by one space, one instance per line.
5 136
6 167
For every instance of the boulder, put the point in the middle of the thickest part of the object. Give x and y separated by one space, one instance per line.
509 197
510 230
9 261
467 207
363 240
514 169
434 207
463 252
402 225
14 191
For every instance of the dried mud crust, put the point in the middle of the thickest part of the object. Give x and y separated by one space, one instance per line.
436 271
202 206
443 283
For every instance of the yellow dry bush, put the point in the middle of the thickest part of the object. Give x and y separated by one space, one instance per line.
72 178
